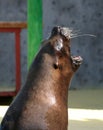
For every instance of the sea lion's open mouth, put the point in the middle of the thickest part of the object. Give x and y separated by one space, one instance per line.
66 32
77 60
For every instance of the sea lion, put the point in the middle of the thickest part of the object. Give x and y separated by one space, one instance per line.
42 103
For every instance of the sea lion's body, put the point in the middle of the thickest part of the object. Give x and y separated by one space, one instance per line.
42 103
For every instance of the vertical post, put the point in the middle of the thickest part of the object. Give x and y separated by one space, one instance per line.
34 28
18 63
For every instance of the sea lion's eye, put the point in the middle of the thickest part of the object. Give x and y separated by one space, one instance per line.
59 45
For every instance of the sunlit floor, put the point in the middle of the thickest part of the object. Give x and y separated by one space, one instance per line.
85 114
3 109
85 110
85 119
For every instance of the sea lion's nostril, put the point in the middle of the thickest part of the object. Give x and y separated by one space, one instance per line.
56 30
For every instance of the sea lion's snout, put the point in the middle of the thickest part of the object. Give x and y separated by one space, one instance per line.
56 30
63 31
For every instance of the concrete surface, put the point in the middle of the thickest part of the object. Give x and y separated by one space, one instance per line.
12 11
85 110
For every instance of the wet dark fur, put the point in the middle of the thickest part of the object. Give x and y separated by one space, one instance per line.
42 103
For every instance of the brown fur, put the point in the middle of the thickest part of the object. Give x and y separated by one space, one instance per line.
42 103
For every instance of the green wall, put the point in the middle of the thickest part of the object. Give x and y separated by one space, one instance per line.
34 28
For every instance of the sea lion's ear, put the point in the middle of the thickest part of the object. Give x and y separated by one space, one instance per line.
56 63
58 45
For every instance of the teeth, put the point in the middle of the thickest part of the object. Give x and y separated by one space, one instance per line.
77 60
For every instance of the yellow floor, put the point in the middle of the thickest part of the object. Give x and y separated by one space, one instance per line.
85 110
85 119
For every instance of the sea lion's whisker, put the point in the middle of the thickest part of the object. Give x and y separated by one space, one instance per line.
81 35
76 33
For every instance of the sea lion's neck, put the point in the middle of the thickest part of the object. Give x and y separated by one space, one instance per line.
50 89
46 83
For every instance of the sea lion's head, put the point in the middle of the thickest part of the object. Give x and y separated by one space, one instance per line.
60 38
55 56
